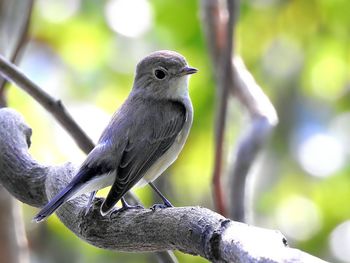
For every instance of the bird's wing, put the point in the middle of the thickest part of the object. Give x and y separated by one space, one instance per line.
103 159
152 138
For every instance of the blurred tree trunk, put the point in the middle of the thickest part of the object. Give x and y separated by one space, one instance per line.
14 23
13 242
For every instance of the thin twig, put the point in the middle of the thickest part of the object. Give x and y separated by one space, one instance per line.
3 99
214 22
220 34
221 112
225 83
54 106
215 28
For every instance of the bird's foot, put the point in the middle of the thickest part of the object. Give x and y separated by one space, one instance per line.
90 202
125 207
122 209
166 204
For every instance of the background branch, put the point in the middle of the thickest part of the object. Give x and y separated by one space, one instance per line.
191 230
20 35
219 31
231 75
14 25
54 106
263 120
14 34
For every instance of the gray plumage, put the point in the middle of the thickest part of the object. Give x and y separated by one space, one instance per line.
143 138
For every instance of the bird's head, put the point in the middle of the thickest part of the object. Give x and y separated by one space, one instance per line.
163 74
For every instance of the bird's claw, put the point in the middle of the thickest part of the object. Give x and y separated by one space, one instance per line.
161 206
124 208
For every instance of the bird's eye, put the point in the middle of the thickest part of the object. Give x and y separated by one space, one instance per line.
159 73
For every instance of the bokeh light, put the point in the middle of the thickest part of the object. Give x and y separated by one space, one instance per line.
329 73
283 59
131 18
339 242
45 68
92 119
298 218
58 11
321 154
340 127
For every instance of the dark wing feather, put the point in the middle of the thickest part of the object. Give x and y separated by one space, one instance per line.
153 137
84 174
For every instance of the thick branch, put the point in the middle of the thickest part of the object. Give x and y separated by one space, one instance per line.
192 230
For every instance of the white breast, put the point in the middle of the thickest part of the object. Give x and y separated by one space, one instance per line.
170 155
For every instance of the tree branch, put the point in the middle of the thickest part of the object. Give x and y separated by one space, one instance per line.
13 240
263 120
54 106
192 230
216 19
17 29
219 32
14 25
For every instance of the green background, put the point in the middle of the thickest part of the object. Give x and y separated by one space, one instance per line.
298 51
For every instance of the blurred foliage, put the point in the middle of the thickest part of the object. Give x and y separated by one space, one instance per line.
297 50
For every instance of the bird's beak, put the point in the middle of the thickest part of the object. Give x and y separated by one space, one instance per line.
188 71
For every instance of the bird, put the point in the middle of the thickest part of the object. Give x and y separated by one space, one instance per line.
143 138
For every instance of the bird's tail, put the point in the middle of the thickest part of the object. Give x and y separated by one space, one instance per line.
56 202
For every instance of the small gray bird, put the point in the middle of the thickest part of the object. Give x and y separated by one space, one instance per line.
143 138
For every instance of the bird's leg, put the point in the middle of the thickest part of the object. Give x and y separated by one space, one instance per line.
166 201
125 206
89 204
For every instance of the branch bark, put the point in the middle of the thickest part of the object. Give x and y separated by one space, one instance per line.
192 230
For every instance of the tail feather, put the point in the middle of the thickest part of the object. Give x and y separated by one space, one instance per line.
55 203
84 175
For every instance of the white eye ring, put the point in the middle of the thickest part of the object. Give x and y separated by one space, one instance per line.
160 73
